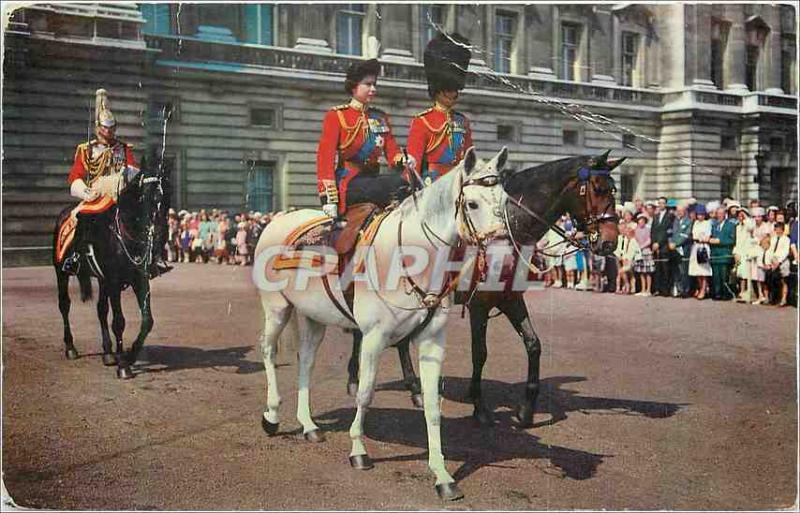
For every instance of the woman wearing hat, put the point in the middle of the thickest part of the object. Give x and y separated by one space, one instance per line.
644 266
439 136
354 136
700 257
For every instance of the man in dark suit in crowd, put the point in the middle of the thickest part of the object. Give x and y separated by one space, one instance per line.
660 231
723 238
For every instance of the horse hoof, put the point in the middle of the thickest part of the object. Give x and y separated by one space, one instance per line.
483 416
361 462
416 400
268 427
315 436
525 417
449 492
124 373
109 359
352 389
71 353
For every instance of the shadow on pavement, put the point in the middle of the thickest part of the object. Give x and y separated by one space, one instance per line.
497 446
155 358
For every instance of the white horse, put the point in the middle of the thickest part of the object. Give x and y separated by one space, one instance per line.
465 204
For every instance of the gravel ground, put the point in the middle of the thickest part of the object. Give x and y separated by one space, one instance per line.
647 403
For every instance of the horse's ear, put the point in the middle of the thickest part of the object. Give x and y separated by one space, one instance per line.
469 160
603 159
502 157
615 162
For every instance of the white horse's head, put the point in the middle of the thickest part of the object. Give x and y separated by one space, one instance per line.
480 196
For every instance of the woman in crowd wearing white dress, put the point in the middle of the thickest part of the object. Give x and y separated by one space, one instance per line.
700 267
741 254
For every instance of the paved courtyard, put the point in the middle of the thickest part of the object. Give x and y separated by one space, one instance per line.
647 403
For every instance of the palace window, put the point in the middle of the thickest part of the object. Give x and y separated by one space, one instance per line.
260 186
349 28
630 54
504 41
430 15
727 141
751 66
570 44
156 18
571 137
626 187
628 140
507 133
258 24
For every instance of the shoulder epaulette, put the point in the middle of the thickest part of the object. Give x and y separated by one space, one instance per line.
341 107
423 112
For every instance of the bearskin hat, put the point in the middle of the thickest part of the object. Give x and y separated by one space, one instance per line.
358 70
446 59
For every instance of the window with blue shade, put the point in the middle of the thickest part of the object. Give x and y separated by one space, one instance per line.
156 18
504 42
430 15
349 29
258 24
260 186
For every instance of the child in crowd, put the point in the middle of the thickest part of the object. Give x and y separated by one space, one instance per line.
241 244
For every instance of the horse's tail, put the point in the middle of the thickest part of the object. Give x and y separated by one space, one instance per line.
85 282
290 336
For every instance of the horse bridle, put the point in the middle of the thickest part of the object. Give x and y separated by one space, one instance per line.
145 258
591 226
466 232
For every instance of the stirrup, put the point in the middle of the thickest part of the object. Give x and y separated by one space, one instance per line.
72 264
159 267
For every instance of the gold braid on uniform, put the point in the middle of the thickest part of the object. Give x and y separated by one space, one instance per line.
98 166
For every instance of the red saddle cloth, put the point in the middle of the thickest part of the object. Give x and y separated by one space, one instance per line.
362 222
66 231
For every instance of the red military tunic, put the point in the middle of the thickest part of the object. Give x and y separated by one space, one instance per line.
438 139
353 138
95 159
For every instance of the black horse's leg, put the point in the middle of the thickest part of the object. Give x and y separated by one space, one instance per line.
409 377
141 287
517 313
118 327
478 320
102 316
352 365
63 305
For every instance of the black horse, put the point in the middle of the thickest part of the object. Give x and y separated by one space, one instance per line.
538 195
120 245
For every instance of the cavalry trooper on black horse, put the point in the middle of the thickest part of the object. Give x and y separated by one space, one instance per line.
116 234
101 168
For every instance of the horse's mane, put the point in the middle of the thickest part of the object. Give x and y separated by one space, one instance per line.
548 172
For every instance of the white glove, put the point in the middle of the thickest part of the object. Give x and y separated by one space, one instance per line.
411 163
330 209
80 190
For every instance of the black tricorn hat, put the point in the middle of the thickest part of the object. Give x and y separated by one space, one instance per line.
358 70
446 59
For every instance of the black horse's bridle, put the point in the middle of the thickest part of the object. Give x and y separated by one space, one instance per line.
145 258
590 226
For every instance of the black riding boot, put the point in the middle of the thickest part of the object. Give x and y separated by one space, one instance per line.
158 266
72 264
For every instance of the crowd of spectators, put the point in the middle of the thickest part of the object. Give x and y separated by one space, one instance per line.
215 235
722 250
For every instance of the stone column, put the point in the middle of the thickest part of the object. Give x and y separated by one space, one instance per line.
471 23
601 46
539 35
312 27
395 34
698 47
735 53
772 53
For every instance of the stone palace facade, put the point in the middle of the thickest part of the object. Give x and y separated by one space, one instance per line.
701 97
